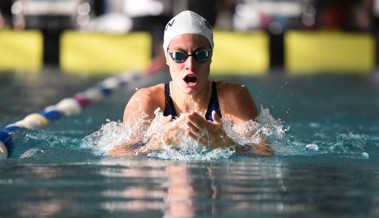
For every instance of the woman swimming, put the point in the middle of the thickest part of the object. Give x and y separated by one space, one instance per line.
200 102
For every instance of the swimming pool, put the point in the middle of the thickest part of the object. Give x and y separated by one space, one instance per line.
326 163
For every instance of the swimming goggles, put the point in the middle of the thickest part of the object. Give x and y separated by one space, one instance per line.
180 57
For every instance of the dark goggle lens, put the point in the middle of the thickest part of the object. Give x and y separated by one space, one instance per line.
180 57
202 55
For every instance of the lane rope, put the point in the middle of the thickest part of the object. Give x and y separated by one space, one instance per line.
66 107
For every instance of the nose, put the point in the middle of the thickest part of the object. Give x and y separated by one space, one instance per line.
190 63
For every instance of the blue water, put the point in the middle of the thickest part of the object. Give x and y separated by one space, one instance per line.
326 163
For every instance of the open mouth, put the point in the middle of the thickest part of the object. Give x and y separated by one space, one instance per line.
190 79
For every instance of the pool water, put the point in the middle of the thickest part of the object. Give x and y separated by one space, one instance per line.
326 162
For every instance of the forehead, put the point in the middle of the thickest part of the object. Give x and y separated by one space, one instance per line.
189 41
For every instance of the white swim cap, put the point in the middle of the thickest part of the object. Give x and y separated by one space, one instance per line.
184 23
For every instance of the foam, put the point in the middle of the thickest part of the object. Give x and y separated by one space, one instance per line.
115 133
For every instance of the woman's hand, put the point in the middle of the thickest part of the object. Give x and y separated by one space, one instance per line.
207 133
138 145
212 134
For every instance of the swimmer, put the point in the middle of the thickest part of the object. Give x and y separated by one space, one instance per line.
200 102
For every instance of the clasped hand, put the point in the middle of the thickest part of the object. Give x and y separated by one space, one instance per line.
194 125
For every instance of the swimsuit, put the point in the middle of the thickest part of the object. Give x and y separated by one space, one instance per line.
213 104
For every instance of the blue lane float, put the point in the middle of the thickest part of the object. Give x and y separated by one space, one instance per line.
66 107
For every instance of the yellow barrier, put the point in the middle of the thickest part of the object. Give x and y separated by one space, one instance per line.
21 50
332 52
104 52
241 53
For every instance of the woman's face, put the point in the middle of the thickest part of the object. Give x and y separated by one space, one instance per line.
191 75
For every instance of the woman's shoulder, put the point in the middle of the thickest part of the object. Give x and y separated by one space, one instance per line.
236 101
150 91
224 83
231 88
148 99
236 94
153 95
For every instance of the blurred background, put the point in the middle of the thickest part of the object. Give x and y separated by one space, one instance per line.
68 32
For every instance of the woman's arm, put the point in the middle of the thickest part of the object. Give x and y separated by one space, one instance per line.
213 135
139 114
135 147
166 132
241 108
262 148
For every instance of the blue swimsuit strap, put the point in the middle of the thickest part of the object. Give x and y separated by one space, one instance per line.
169 108
212 106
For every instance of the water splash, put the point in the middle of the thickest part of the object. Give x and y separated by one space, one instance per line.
111 134
346 145
116 133
31 153
46 144
349 142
